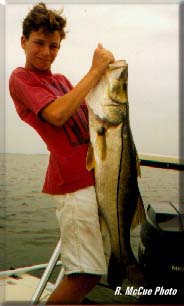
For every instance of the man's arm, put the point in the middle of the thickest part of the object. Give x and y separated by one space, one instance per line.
61 109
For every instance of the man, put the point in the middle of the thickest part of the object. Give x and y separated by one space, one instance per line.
57 111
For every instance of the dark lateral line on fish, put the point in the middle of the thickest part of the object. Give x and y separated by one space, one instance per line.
162 165
118 186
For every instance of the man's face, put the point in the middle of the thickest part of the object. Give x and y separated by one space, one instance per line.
40 49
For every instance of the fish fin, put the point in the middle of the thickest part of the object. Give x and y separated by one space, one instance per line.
138 162
90 159
101 145
139 215
138 167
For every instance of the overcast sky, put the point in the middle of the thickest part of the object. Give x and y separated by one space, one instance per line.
146 35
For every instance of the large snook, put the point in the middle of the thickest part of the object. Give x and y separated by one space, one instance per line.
114 158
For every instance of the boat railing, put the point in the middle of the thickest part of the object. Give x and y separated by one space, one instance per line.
161 161
47 273
27 269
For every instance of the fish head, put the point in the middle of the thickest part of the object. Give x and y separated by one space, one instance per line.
118 83
109 98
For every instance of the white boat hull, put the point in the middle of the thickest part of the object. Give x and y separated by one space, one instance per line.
21 289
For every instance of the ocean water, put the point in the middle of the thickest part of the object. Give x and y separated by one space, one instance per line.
27 216
28 225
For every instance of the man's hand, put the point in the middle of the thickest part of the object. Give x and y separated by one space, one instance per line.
101 59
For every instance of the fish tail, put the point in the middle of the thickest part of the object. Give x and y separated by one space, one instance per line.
139 214
116 272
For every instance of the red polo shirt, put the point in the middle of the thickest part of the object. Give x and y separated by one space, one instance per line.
31 92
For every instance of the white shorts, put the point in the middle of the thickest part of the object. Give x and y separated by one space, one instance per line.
82 249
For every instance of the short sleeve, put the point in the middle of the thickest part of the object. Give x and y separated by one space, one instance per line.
29 91
64 80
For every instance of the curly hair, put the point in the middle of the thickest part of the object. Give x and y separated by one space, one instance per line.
42 18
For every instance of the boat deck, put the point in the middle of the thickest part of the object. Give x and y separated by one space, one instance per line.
18 290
